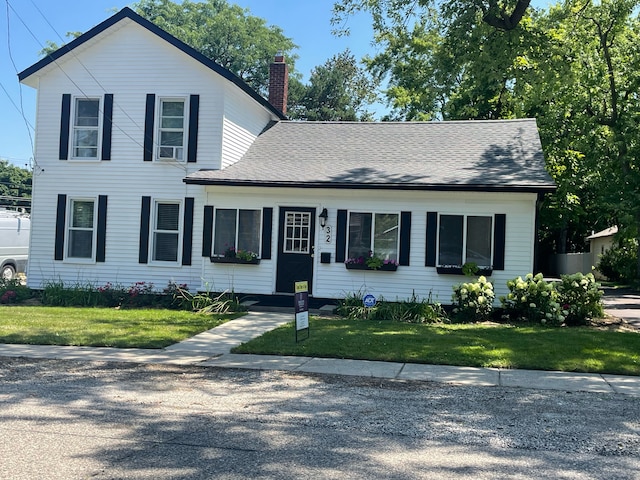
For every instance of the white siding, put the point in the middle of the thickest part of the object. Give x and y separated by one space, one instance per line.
128 62
243 122
335 281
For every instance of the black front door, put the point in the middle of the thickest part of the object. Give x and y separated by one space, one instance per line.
295 248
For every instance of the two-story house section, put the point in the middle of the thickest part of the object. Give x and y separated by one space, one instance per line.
154 164
124 113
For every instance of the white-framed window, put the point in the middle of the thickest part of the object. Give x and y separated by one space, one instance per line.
172 115
465 238
373 233
236 229
85 137
165 235
81 229
297 232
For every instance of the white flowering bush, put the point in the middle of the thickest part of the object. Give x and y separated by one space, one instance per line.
533 299
580 296
473 301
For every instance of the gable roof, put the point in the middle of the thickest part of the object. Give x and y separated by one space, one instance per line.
492 155
607 232
127 13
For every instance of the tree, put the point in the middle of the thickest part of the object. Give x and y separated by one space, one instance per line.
339 90
227 34
15 185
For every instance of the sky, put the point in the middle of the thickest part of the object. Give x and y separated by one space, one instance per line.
27 25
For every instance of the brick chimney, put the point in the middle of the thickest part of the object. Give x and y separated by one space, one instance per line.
279 83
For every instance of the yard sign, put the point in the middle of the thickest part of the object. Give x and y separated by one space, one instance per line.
302 307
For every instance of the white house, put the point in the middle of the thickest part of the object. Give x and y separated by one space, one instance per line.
154 163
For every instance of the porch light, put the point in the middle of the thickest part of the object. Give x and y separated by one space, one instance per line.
323 217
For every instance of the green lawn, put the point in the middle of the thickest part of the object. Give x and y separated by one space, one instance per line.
578 349
103 327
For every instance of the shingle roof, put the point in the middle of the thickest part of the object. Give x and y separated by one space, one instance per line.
460 155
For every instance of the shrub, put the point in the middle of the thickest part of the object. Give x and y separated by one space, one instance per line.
12 291
532 300
412 310
207 302
57 294
473 301
580 296
619 263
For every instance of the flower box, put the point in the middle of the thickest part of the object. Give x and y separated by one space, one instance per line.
387 267
457 270
253 261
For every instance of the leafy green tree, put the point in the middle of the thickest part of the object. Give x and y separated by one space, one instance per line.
15 185
338 90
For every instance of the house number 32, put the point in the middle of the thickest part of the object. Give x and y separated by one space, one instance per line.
327 234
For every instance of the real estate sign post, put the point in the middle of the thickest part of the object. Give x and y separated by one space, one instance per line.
302 307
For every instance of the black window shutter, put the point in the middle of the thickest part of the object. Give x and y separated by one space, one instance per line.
341 235
148 126
432 236
145 217
107 118
192 149
65 117
101 241
405 238
267 232
61 211
207 231
187 235
499 241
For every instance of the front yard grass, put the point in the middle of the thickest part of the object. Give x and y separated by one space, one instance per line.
102 327
575 349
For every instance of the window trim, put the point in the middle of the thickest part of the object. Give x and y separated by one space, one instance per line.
213 226
159 129
69 228
373 226
153 230
98 128
482 268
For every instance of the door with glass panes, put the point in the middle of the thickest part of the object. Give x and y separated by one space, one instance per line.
295 248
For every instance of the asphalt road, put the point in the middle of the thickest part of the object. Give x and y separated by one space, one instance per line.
75 420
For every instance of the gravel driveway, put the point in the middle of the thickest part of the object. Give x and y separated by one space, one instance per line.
63 420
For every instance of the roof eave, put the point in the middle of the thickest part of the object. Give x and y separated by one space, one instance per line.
374 186
126 12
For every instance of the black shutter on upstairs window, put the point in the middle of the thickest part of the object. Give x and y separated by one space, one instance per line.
148 127
499 241
267 232
207 231
107 119
187 235
145 217
61 211
405 238
432 235
65 118
102 229
341 236
192 148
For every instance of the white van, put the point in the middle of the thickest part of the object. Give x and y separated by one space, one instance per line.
14 243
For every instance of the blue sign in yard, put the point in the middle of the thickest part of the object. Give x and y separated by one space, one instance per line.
369 300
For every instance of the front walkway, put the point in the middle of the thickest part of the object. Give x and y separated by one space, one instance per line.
211 349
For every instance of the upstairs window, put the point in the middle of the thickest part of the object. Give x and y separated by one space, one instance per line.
464 239
377 233
171 132
86 128
236 229
166 232
81 228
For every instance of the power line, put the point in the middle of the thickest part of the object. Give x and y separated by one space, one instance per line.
21 109
116 104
